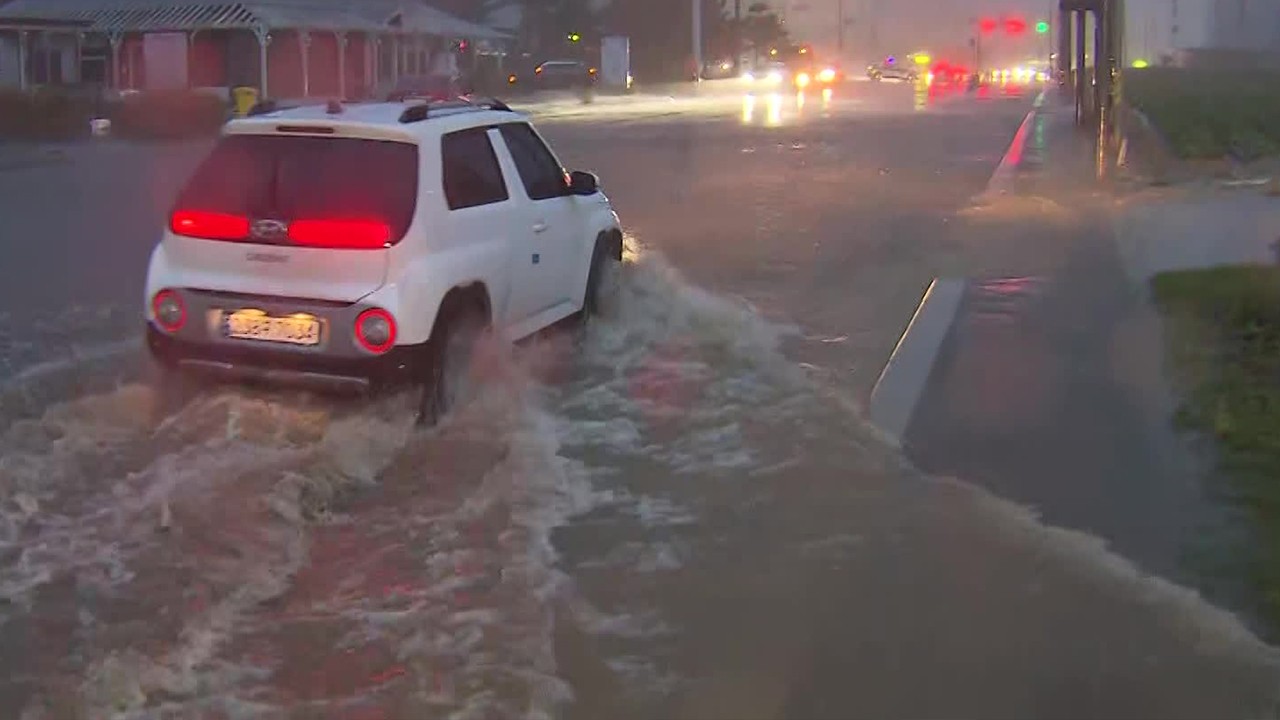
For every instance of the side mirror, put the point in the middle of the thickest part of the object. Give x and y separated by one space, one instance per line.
583 183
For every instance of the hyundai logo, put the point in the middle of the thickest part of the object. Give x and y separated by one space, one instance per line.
269 229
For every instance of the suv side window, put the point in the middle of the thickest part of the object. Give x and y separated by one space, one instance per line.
470 169
542 176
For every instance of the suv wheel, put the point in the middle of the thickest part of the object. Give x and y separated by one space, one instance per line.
602 282
448 382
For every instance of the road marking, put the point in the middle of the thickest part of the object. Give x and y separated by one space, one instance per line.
901 384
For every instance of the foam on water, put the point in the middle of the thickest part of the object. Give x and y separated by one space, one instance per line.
257 556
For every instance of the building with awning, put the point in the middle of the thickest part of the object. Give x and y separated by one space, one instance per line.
284 48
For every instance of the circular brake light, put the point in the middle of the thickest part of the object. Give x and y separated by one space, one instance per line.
376 330
168 310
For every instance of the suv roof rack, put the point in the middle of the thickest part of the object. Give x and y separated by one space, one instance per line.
422 111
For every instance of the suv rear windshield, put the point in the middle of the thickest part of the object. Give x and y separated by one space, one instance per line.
314 178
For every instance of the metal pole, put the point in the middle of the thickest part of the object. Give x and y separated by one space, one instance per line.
737 35
1101 87
840 25
1099 59
1080 70
697 40
1064 46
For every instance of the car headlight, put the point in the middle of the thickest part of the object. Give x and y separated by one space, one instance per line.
748 77
827 75
802 79
775 77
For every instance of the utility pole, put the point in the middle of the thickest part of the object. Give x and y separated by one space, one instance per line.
697 40
840 26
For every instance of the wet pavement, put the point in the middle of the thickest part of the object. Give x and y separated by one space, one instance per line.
675 512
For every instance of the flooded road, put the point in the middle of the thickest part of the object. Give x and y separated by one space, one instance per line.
676 511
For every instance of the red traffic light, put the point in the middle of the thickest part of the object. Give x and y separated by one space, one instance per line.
1015 26
988 25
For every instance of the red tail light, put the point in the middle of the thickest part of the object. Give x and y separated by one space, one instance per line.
210 225
376 330
354 234
168 310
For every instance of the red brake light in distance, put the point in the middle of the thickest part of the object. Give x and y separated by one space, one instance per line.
354 234
168 310
376 331
209 225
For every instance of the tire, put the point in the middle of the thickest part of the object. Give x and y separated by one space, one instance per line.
605 260
446 385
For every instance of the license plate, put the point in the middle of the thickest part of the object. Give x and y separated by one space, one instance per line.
257 325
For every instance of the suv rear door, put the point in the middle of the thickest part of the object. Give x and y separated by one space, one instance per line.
317 214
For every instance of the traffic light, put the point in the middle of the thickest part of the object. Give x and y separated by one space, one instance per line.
1015 26
573 37
988 25
1042 27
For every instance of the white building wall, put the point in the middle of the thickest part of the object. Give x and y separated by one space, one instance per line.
1247 24
1156 29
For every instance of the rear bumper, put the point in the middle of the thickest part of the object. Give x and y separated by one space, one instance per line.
402 365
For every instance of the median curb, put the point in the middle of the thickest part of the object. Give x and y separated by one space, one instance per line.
1002 180
901 384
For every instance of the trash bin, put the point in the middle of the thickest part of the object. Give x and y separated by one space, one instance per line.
245 98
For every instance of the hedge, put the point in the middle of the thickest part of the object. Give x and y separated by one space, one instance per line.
57 114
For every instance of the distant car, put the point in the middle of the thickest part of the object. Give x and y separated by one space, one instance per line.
892 70
718 70
770 74
426 87
818 75
562 74
370 246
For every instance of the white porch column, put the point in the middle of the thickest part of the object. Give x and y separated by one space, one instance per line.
79 58
263 34
191 52
22 60
304 41
341 37
115 39
395 60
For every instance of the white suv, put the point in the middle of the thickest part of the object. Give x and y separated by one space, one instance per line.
363 245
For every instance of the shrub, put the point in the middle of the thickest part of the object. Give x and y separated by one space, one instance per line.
168 114
47 114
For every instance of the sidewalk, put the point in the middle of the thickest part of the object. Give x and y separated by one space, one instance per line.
1050 387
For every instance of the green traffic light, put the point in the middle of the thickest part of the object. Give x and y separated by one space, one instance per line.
1042 27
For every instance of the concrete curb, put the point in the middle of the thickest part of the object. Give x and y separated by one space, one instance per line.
901 384
1003 178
